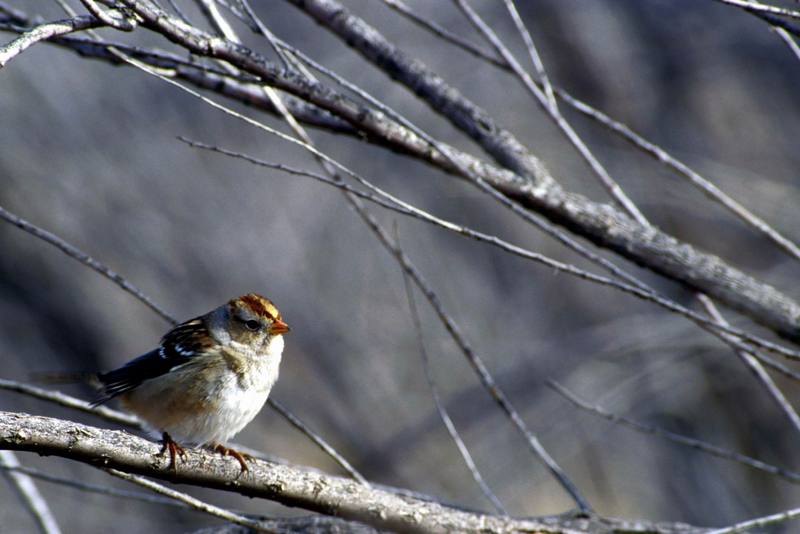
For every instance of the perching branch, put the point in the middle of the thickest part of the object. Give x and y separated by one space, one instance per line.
289 485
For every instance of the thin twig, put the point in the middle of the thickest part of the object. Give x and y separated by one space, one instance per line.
68 401
466 170
776 22
383 237
225 29
317 439
529 182
178 11
719 452
758 370
29 494
758 7
760 522
440 407
625 132
94 488
704 185
264 31
536 60
476 362
82 257
444 33
597 168
550 106
711 326
192 502
102 269
789 40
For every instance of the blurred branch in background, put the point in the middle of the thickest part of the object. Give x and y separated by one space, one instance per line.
29 494
787 475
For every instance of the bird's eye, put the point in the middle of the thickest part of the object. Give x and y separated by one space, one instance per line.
252 325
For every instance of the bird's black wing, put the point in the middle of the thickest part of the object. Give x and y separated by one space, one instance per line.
178 346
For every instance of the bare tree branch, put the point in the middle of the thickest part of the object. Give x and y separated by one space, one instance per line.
94 488
600 223
441 409
44 32
710 325
625 132
647 246
774 519
546 99
754 365
68 401
77 254
191 502
452 328
760 7
123 283
29 493
597 222
289 485
789 40
112 18
708 448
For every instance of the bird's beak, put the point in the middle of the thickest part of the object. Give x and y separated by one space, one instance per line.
278 327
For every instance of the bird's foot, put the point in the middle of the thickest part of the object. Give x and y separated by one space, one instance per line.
170 445
241 457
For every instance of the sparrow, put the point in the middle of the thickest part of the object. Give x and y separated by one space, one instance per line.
208 378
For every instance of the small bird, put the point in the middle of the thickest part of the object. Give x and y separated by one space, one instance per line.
207 380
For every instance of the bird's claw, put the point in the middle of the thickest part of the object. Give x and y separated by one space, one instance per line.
241 457
170 445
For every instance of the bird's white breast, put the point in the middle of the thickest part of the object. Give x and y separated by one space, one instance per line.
197 412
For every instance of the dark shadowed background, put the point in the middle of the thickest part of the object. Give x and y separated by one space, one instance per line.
89 151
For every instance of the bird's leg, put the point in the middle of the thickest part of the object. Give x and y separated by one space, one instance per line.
241 457
169 444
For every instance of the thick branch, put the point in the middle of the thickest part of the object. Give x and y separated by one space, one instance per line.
289 485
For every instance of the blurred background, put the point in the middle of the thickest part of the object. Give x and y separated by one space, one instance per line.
89 151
